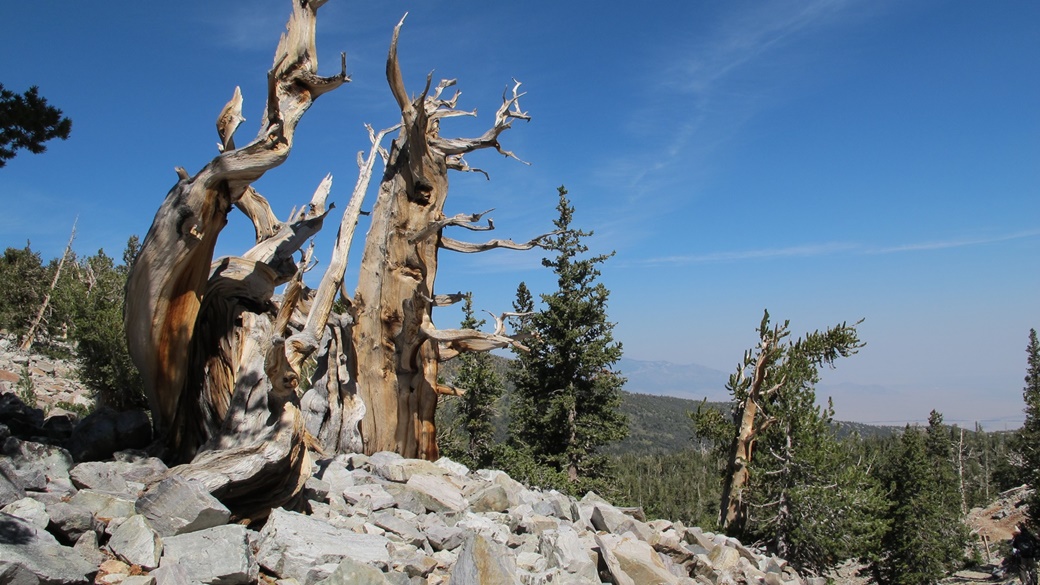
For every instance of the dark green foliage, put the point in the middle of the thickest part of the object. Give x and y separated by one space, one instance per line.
474 411
567 401
658 424
1029 435
105 365
679 486
27 121
24 284
86 308
807 496
927 537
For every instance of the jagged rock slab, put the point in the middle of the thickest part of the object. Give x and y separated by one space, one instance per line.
52 564
135 542
610 519
492 498
69 522
437 494
30 510
483 562
351 572
640 561
395 523
563 548
369 497
178 506
440 535
393 467
293 545
214 555
104 505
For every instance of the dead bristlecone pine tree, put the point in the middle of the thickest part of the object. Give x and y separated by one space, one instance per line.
221 354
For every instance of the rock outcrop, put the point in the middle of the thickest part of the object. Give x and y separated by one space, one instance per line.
379 519
73 510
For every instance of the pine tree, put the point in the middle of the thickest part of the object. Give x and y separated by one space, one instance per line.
27 121
476 407
789 481
567 400
926 539
1029 435
952 532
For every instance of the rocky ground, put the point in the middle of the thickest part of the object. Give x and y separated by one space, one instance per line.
77 507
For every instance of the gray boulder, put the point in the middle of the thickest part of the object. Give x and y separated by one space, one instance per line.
29 554
104 505
215 555
135 542
351 572
291 545
49 564
10 487
30 510
178 506
69 521
105 431
103 476
483 562
437 494
36 464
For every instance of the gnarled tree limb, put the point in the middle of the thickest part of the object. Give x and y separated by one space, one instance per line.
469 248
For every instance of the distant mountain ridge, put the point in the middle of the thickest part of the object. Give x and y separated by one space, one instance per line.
657 398
661 378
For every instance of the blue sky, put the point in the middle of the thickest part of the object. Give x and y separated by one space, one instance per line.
829 161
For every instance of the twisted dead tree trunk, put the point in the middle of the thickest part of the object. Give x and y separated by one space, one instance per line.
394 336
221 354
209 341
751 393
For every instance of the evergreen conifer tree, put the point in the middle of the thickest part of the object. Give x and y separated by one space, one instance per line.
476 407
1029 435
802 491
567 399
27 121
926 538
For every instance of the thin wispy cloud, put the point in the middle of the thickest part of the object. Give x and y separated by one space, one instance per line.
830 249
806 251
956 243
750 35
705 80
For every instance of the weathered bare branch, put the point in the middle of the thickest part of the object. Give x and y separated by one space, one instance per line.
507 112
229 120
452 342
461 220
500 320
470 248
458 163
447 300
277 250
305 342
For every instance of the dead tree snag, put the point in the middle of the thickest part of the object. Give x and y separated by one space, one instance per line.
222 355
